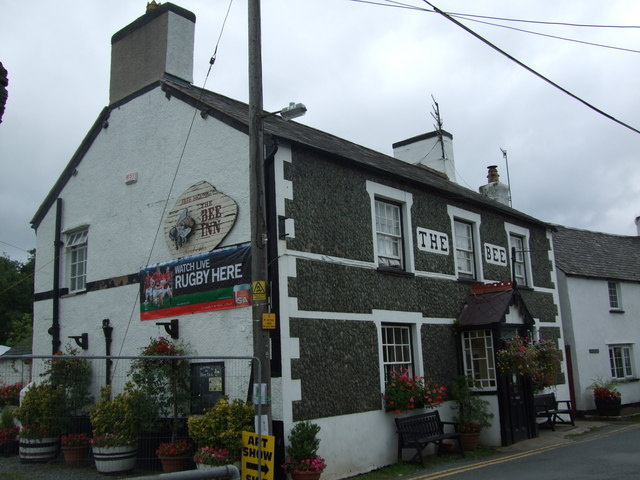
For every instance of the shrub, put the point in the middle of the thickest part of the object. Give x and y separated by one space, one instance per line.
222 425
43 411
302 450
122 418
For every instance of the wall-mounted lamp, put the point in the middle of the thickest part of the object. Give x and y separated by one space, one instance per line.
172 328
81 340
294 110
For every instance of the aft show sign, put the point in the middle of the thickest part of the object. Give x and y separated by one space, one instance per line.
216 280
257 456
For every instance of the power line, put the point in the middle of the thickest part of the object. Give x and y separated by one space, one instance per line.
546 34
531 70
397 4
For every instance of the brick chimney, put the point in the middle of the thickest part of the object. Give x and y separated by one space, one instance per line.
638 225
495 189
158 43
433 150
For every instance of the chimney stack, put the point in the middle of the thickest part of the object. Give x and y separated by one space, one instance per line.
433 150
494 189
158 43
638 225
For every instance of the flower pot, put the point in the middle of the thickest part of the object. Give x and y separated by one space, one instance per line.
38 450
306 475
470 440
608 407
74 456
172 464
115 459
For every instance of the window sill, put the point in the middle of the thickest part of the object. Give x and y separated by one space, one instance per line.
526 288
73 294
616 310
396 272
467 280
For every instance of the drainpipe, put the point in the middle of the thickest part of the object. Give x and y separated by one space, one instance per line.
107 329
54 331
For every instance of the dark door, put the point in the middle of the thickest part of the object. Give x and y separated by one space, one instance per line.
207 385
516 409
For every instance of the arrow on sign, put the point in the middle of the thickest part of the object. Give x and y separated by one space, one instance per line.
254 466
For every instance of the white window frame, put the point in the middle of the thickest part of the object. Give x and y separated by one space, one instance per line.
525 260
478 356
473 219
397 348
613 290
76 248
404 201
389 234
621 361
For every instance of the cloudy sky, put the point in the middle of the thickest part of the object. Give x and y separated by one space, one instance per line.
366 73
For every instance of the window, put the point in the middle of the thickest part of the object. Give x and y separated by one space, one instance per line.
519 269
620 361
77 259
465 252
389 234
396 349
614 297
479 363
391 228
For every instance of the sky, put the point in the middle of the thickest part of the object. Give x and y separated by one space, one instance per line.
366 73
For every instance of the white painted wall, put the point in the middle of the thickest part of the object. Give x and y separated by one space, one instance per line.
147 136
591 326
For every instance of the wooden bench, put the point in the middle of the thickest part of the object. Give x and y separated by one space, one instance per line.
417 431
547 406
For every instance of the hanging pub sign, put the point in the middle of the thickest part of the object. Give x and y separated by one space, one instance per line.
199 221
216 280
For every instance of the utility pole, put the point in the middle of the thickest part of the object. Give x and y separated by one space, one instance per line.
257 198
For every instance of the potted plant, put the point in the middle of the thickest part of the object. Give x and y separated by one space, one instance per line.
222 426
210 457
73 376
165 381
405 392
117 424
8 432
606 396
472 412
173 455
75 447
538 360
43 416
10 394
303 461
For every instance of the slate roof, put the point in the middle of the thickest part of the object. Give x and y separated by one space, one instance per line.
599 255
235 113
491 308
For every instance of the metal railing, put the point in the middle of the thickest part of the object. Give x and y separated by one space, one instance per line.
210 378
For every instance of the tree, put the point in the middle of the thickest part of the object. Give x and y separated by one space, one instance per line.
16 298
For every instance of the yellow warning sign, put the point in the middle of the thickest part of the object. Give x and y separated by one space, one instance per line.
259 290
256 459
269 321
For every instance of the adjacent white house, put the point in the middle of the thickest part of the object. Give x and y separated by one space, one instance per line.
599 283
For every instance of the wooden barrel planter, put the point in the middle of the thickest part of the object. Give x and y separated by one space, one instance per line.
115 459
38 450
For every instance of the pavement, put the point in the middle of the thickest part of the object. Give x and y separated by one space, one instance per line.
564 433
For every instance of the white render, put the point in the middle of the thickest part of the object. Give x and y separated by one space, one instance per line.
591 327
145 134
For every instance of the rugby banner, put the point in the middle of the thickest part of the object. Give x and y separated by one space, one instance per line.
215 280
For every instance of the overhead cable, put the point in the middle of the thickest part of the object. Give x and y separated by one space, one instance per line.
531 70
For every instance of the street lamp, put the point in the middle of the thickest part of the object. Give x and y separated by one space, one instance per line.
294 110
